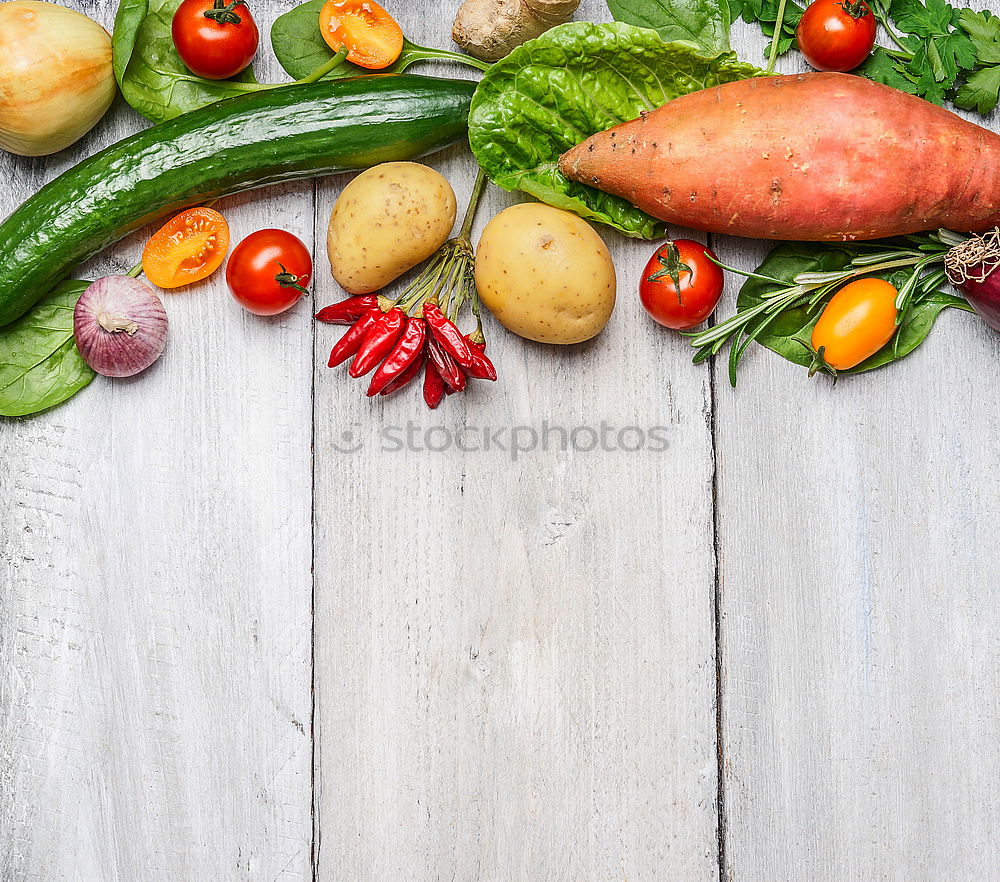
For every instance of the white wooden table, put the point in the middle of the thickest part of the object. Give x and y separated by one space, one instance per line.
231 651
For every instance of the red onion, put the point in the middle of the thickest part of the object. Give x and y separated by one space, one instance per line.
972 268
120 326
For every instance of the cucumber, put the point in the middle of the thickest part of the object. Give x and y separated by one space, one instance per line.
244 142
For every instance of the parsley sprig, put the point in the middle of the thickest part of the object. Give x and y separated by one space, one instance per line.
937 51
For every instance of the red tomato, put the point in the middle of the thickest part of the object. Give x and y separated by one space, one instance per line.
680 285
215 40
836 34
269 271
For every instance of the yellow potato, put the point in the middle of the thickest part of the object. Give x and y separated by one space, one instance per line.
386 221
545 274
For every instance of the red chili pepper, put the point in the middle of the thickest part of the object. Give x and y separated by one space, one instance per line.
448 368
349 344
378 341
446 332
348 311
404 353
405 378
433 385
481 367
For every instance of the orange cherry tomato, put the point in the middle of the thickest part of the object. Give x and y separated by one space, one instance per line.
187 248
857 322
373 38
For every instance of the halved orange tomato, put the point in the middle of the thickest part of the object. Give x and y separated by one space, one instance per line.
373 37
187 248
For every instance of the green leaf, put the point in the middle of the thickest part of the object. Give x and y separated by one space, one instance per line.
957 53
300 48
981 91
40 365
572 82
884 68
789 333
149 71
925 20
702 22
983 29
766 13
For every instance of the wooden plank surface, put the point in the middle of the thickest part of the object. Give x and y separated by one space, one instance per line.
155 635
858 562
515 654
515 657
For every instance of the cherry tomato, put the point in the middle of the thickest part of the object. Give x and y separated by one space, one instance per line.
836 34
214 39
857 322
373 38
680 285
187 248
269 271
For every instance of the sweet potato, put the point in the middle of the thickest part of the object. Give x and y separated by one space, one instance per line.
815 157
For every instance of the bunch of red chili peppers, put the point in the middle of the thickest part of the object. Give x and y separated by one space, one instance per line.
397 338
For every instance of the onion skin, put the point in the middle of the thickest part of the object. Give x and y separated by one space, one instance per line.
120 326
984 297
56 78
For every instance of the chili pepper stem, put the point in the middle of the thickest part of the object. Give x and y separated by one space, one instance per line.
470 212
136 271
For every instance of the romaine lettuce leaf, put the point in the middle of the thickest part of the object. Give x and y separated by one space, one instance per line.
570 83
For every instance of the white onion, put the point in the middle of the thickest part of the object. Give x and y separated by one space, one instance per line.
120 326
56 78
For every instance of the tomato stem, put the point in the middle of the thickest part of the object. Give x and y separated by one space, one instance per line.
673 266
287 280
223 14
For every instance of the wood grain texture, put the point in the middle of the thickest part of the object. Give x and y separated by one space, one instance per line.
515 656
155 634
858 559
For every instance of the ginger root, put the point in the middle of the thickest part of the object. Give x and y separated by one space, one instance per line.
490 29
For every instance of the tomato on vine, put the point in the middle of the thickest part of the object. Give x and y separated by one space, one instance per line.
269 271
214 39
836 35
681 284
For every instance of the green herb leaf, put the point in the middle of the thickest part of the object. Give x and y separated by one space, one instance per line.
981 91
40 365
149 71
570 83
765 12
702 22
983 29
925 20
789 333
884 68
300 48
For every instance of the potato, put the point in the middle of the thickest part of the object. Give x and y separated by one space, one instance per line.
545 274
386 221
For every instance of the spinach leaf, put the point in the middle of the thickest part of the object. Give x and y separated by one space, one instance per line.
300 48
703 22
150 73
573 81
789 333
39 362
